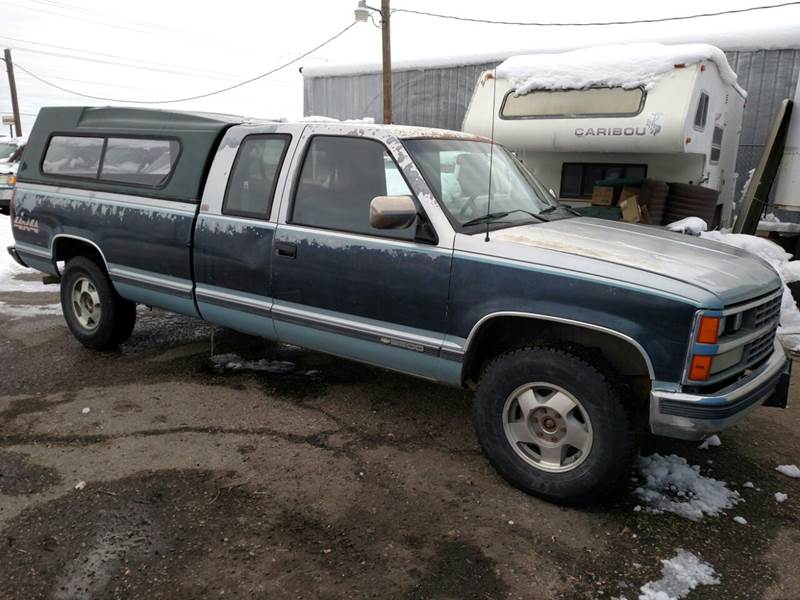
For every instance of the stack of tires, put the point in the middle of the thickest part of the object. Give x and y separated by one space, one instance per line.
686 200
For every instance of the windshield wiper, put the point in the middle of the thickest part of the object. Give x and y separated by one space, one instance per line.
553 207
488 218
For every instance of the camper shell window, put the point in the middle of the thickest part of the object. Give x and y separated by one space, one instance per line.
578 179
134 161
590 102
701 115
139 161
73 156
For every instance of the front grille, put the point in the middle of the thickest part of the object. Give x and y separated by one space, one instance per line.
769 311
758 349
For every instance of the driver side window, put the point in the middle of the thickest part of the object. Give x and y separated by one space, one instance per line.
339 178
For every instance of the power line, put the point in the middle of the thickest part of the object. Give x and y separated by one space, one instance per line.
122 27
149 64
596 23
114 17
227 89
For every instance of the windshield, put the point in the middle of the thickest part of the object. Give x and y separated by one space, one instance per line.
7 149
458 173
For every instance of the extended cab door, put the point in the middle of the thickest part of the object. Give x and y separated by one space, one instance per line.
234 233
344 287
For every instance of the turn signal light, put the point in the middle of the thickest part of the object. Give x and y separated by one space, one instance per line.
700 368
708 332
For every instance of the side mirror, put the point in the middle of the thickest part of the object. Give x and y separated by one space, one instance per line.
392 212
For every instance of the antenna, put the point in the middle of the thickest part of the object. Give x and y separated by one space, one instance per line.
491 153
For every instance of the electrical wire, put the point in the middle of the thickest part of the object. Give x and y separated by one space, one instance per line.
197 97
596 23
147 63
139 30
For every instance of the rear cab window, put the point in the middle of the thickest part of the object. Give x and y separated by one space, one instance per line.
251 186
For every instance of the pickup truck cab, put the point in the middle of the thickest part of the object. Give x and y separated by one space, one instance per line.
388 245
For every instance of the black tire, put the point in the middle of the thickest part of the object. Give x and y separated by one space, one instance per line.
608 461
117 316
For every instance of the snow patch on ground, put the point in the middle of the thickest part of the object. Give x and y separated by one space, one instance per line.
789 330
28 310
781 497
614 65
233 362
789 470
9 270
679 576
740 520
710 442
673 485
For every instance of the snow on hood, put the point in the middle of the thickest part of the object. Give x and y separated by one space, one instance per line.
616 65
729 273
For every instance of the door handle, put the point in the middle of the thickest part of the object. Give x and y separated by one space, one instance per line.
286 249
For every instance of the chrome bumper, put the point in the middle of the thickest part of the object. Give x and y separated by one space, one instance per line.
693 416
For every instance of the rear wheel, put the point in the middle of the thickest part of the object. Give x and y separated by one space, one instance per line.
554 425
96 315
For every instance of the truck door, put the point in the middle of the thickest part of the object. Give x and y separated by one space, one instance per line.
234 232
344 287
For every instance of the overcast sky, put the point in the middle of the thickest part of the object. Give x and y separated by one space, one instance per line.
157 50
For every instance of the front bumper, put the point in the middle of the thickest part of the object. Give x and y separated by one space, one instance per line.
693 416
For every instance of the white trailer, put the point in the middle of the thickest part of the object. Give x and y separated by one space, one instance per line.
671 113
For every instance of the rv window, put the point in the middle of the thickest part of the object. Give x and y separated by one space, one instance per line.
578 179
716 144
702 111
254 176
73 156
139 161
613 101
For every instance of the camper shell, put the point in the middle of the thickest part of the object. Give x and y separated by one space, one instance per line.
678 125
193 136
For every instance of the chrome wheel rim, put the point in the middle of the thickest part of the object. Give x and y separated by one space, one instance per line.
547 427
85 303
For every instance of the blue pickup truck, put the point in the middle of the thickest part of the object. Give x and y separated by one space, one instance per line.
429 252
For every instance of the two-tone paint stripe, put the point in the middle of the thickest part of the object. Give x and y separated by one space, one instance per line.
173 286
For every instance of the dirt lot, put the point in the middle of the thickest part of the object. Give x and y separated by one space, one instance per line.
333 480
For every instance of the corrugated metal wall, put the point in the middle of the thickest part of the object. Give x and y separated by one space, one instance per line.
439 97
769 76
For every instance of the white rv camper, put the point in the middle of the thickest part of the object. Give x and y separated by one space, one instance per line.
669 113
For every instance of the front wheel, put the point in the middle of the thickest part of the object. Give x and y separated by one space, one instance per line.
96 315
554 425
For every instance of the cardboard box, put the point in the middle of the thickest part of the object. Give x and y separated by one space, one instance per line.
602 195
629 192
630 209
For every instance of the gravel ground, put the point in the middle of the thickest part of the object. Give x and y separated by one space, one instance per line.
331 480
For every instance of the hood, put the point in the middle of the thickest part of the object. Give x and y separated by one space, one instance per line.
731 274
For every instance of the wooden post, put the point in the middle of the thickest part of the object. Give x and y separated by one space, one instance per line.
387 61
12 84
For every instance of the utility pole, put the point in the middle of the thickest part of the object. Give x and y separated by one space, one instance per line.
12 84
386 14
